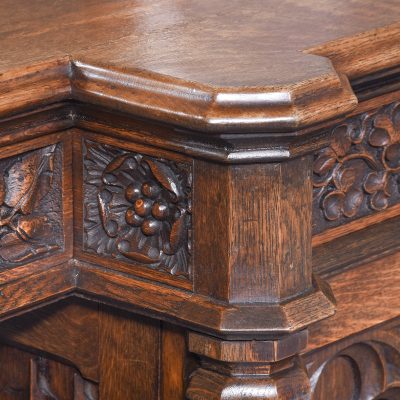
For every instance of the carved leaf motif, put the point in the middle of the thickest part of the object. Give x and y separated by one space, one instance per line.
12 248
25 178
375 181
324 163
392 155
378 138
110 226
150 256
345 178
20 179
177 235
116 163
137 208
28 222
165 175
352 202
341 141
333 205
360 171
379 201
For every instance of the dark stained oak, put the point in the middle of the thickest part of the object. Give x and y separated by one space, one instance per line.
197 80
365 365
199 200
366 296
30 376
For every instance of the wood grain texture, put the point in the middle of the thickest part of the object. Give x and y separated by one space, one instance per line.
357 247
366 296
74 350
128 368
15 379
33 377
355 226
36 289
174 363
67 330
249 382
255 351
236 209
197 80
198 311
365 365
240 95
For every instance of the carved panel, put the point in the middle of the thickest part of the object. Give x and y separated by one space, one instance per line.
27 376
85 390
137 208
30 205
51 380
368 368
359 173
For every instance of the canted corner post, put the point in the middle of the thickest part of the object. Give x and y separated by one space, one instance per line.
254 256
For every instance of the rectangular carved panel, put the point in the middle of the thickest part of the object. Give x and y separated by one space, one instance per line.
31 205
137 208
359 173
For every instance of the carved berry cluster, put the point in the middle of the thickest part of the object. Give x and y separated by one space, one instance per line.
360 169
148 209
143 204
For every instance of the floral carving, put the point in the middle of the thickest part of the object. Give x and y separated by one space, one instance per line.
137 208
30 205
359 172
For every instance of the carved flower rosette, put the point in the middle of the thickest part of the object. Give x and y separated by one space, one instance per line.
137 208
359 172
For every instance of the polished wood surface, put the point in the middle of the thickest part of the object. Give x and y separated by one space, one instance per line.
365 365
114 355
222 79
196 42
199 200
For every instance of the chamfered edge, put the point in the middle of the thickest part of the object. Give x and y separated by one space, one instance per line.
177 102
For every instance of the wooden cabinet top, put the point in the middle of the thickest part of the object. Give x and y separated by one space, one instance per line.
258 65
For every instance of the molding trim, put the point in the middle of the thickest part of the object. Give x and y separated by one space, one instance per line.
194 311
177 102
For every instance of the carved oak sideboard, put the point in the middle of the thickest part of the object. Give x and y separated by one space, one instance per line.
199 200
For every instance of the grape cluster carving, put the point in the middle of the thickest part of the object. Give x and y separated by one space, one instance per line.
359 172
138 208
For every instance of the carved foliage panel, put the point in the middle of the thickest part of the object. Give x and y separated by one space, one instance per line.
366 368
359 173
137 208
31 205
